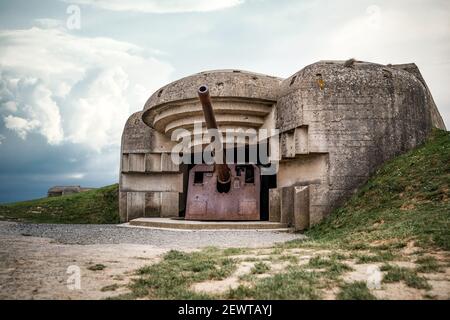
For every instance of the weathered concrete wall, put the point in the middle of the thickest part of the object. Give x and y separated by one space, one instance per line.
436 118
360 116
150 184
338 121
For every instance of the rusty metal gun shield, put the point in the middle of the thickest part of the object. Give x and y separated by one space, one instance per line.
241 202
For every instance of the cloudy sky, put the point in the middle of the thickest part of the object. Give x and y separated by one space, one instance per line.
72 71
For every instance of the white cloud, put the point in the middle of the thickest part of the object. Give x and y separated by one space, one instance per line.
108 89
75 176
41 111
48 23
394 35
10 106
73 89
155 6
2 138
383 31
19 125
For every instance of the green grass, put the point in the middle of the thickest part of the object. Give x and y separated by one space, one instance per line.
428 264
234 251
407 199
171 278
338 256
288 257
408 276
378 256
260 268
355 291
95 206
331 265
296 283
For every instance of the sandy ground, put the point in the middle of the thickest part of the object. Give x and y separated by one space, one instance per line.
37 268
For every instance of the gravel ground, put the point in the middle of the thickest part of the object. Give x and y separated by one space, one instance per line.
168 239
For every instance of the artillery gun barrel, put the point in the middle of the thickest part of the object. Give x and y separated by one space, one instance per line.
222 169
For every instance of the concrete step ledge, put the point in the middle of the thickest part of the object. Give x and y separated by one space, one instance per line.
207 225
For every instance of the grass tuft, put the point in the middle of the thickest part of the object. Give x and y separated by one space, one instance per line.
294 284
260 268
355 291
408 276
380 256
333 267
428 264
172 277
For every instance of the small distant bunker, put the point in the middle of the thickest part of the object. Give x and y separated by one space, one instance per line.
337 122
57 191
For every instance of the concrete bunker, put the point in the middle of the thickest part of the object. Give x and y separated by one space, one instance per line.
335 130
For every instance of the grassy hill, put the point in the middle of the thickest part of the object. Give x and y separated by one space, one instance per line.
95 206
407 199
